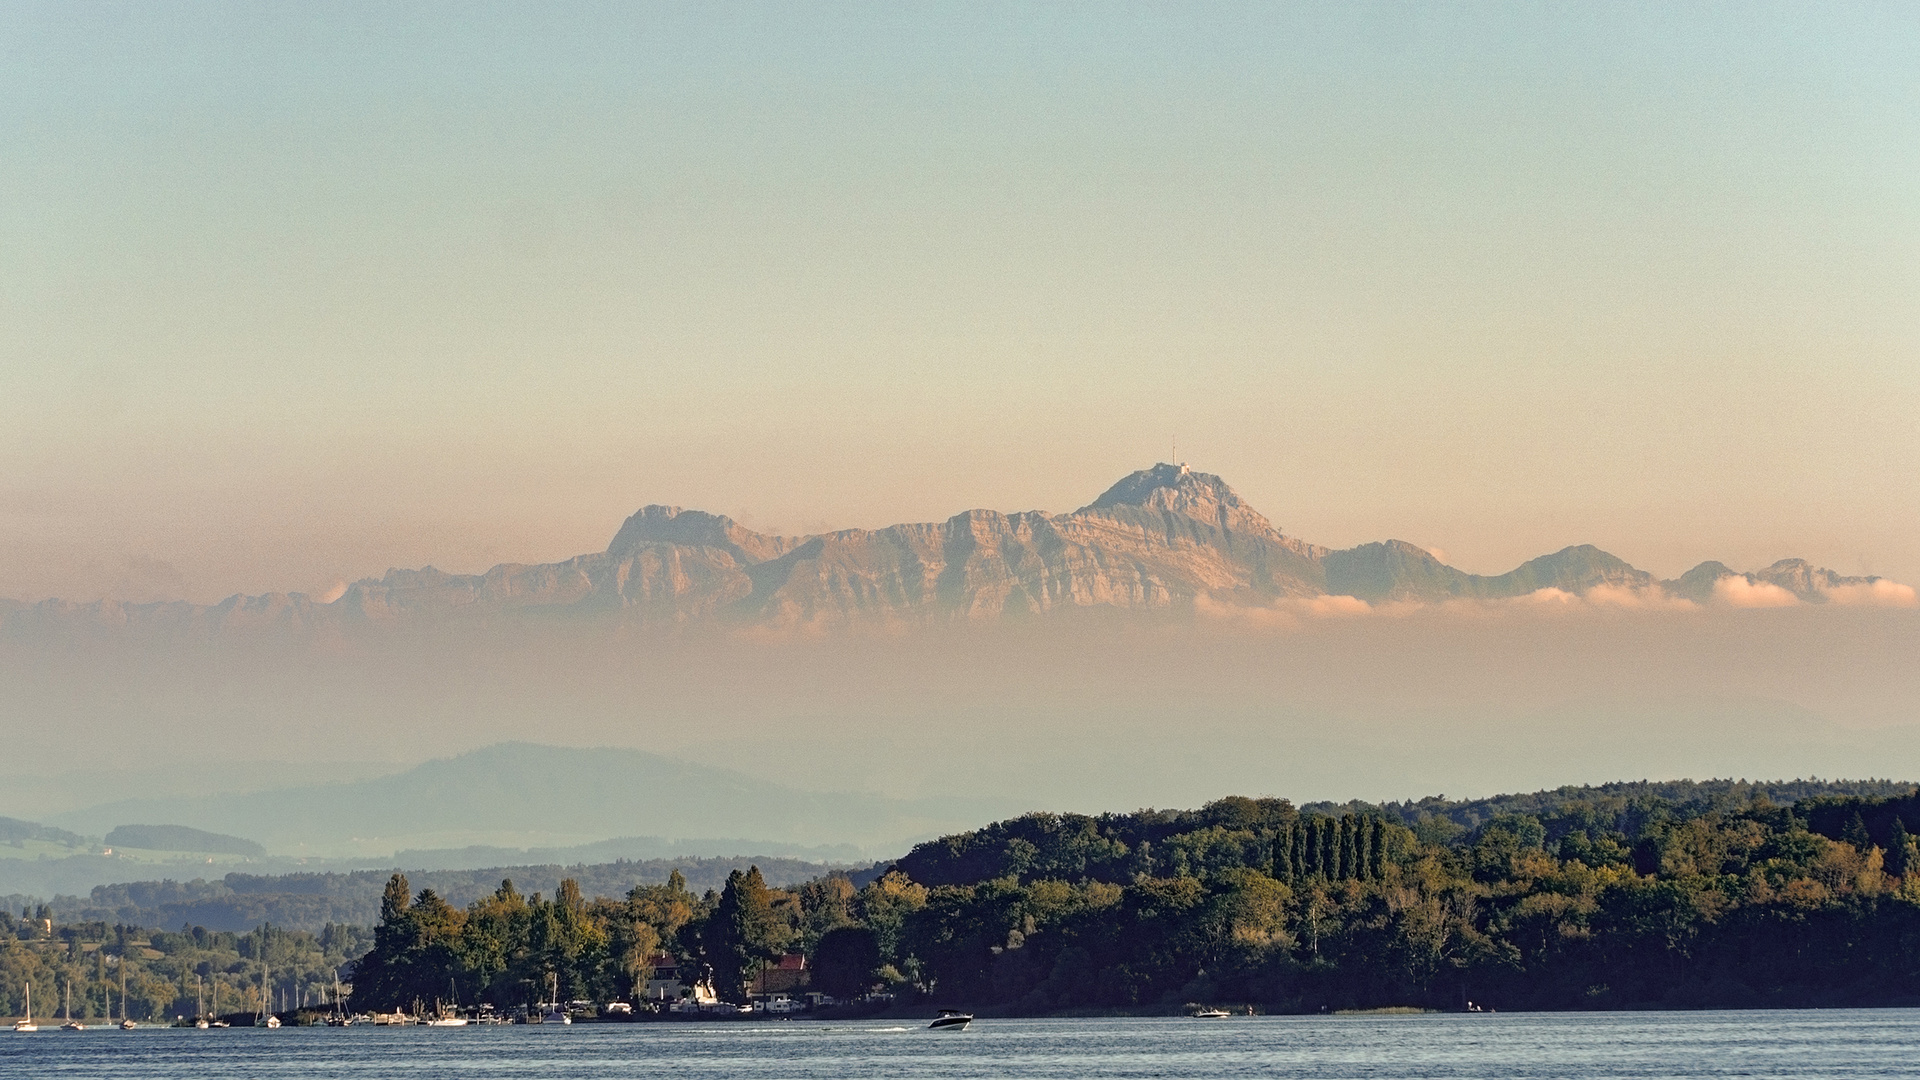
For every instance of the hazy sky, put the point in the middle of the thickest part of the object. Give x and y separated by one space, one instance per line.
293 293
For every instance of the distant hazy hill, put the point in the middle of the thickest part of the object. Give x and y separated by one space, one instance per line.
15 832
519 796
310 901
1161 538
181 838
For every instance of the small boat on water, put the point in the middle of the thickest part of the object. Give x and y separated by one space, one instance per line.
1211 1014
951 1020
126 1022
26 1023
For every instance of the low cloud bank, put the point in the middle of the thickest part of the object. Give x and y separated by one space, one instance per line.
1882 593
1739 592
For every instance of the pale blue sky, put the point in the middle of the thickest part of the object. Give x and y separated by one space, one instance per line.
290 294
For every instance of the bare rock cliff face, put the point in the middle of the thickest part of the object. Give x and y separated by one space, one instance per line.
1157 539
1162 538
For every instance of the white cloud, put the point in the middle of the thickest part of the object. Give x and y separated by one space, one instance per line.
1346 605
1282 614
1882 593
1550 595
1737 591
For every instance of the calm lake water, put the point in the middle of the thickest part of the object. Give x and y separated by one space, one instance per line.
1560 1046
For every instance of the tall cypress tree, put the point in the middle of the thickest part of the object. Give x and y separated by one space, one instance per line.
1856 833
1900 849
1283 853
1362 849
1377 861
1300 829
1350 848
743 933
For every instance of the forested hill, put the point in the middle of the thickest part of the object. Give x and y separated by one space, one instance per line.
1625 896
1114 847
1712 898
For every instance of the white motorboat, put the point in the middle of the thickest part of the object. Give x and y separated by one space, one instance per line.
951 1020
1211 1014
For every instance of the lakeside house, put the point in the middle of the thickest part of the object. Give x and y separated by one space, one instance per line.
665 984
788 975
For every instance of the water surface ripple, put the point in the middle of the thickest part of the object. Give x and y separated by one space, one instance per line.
1802 1045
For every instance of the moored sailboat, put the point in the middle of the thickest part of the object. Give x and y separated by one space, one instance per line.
266 1019
555 1012
448 1015
126 1022
66 1012
26 1023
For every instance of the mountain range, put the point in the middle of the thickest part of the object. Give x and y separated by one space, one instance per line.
1165 538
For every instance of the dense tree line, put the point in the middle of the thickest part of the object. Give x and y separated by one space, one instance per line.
509 949
1622 899
1691 904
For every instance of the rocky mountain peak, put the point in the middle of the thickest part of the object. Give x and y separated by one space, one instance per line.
1176 489
658 524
